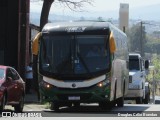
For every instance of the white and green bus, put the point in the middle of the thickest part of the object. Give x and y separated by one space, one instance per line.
82 62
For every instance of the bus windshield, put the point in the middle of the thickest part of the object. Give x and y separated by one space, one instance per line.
74 55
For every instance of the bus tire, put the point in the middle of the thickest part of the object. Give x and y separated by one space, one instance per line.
139 100
54 106
114 102
106 105
120 101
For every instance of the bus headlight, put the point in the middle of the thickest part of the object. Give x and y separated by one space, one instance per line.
103 83
46 85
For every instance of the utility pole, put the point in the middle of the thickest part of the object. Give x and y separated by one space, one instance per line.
141 36
141 39
23 43
154 85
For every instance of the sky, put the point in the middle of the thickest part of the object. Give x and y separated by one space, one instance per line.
114 4
100 6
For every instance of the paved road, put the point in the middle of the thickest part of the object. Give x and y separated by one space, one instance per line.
92 110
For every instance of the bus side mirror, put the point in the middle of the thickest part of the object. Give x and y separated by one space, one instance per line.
146 64
35 44
112 43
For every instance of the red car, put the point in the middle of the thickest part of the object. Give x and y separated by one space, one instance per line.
12 89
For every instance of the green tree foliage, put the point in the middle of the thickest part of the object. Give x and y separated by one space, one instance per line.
156 64
134 35
154 72
152 45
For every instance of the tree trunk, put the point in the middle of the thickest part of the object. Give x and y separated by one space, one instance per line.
43 20
45 12
35 76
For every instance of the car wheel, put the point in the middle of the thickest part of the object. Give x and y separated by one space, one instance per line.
19 107
2 106
139 100
146 100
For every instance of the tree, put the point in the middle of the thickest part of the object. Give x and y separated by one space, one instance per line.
156 64
152 45
45 12
100 19
134 35
71 4
154 72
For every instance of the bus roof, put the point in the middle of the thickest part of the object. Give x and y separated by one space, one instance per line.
78 26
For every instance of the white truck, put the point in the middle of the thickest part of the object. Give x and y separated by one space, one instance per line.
137 79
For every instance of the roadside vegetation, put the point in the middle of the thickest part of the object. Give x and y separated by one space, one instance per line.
151 51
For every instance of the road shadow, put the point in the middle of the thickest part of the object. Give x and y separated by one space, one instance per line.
5 111
96 111
157 101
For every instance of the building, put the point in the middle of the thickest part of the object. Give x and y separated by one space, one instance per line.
14 32
123 16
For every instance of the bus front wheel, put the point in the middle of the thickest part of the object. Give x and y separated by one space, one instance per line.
106 105
54 106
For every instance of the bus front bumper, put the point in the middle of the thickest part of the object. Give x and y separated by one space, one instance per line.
91 94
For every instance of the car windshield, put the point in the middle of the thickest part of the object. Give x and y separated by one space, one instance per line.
1 73
134 64
81 54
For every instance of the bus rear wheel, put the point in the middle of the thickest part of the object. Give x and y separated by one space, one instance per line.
120 102
139 100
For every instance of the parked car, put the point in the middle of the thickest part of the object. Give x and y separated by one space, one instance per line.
12 89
